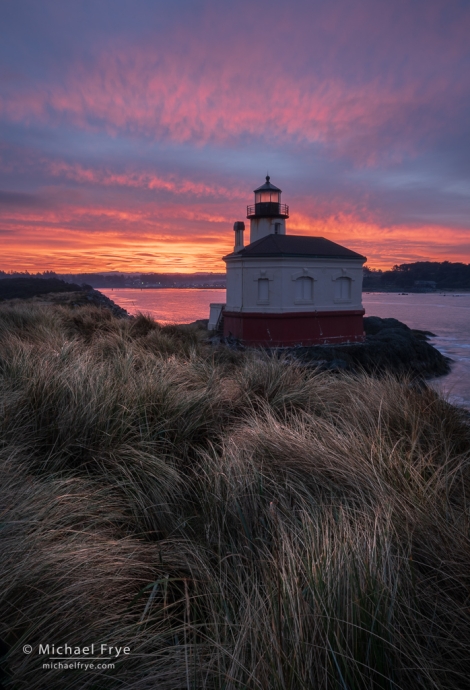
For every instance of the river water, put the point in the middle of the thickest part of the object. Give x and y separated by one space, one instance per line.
447 315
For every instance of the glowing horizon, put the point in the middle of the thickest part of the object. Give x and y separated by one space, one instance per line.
136 143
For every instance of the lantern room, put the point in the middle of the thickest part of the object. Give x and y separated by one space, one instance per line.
267 215
268 202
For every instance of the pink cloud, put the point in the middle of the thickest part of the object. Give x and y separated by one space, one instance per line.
139 179
211 85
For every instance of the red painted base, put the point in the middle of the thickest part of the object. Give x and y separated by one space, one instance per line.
304 328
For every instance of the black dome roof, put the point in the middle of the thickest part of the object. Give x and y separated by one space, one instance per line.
267 187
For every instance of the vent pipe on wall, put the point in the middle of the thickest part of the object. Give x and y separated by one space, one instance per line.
239 228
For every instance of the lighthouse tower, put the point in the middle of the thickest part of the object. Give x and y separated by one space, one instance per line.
285 290
267 216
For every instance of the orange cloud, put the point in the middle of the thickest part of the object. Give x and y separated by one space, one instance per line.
74 239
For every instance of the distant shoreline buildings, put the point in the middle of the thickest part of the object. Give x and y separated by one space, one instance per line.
420 276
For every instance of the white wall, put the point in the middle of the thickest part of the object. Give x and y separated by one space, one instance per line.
243 291
260 227
235 286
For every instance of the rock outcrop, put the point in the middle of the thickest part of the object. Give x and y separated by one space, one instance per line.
389 346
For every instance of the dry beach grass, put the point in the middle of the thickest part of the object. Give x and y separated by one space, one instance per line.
237 521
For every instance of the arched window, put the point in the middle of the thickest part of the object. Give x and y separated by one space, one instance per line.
343 289
304 289
263 290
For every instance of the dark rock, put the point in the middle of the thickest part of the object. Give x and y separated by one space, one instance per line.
97 298
423 335
390 346
374 324
337 365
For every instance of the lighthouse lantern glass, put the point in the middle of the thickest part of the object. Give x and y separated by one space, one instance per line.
267 196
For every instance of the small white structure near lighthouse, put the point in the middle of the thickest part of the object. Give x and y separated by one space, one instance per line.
286 290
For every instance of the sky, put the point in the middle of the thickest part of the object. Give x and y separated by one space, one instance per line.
133 132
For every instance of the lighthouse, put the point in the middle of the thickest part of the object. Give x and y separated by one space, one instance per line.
287 290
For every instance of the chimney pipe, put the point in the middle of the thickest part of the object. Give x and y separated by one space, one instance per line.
239 228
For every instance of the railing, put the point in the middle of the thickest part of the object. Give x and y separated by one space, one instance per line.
267 209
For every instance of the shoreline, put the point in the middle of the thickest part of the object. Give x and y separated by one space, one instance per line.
442 291
399 351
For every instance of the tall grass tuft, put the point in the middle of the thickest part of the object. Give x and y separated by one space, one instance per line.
236 520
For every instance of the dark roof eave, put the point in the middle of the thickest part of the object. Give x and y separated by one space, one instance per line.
297 246
278 255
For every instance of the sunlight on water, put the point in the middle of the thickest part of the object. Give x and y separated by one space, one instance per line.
167 305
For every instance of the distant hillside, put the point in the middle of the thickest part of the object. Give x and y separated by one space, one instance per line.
150 280
123 280
26 287
54 291
420 276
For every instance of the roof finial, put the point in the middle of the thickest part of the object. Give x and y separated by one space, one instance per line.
267 178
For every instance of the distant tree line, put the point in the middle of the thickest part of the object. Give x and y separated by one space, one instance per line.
93 279
26 286
26 274
420 275
96 280
121 280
